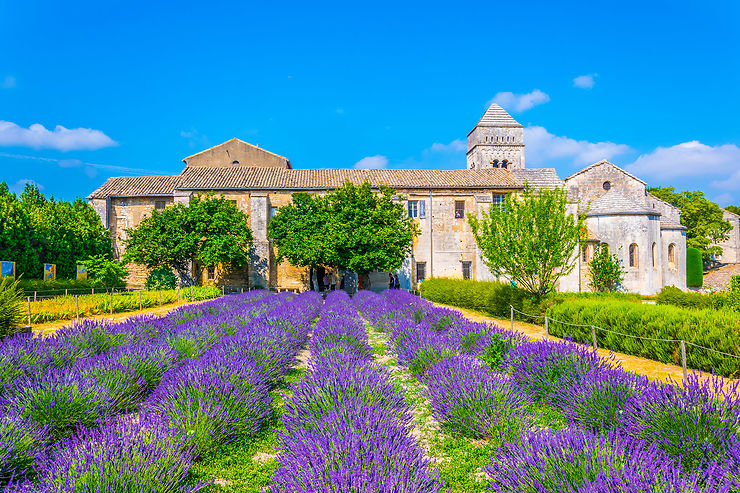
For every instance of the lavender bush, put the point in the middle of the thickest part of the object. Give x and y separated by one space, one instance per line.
22 442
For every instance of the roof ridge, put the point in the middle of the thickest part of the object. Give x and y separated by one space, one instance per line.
232 140
601 163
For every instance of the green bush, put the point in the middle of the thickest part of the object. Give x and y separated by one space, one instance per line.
694 268
671 295
161 278
11 306
58 286
719 330
734 295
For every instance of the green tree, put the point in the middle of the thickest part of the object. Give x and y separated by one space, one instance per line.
702 218
16 235
298 230
530 238
605 270
207 232
733 208
104 269
367 230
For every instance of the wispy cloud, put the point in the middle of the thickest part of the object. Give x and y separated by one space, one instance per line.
18 186
8 82
542 147
585 81
61 138
195 138
76 163
690 159
519 102
372 162
457 145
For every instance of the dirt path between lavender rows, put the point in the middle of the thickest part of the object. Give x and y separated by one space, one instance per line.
654 370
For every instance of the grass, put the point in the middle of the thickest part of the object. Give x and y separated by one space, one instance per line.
248 465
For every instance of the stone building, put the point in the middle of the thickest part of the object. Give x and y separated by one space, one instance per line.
731 245
642 230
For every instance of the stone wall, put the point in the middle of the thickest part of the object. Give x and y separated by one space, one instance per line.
589 185
731 246
502 143
236 153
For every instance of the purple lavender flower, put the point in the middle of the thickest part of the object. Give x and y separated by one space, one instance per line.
22 442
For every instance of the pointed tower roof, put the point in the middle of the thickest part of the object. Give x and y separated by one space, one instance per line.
496 116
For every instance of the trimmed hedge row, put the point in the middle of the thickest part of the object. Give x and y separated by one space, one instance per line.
716 329
494 298
671 295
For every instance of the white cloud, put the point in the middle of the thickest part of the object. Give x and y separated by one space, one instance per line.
8 82
195 138
456 145
90 169
18 186
585 81
519 102
372 162
690 159
61 138
542 146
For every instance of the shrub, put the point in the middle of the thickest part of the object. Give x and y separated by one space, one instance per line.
671 295
11 306
716 329
22 442
734 296
695 423
605 270
476 401
161 278
134 454
105 270
694 268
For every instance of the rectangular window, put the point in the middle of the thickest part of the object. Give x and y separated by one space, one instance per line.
498 199
421 271
159 204
417 209
459 209
466 270
273 211
211 273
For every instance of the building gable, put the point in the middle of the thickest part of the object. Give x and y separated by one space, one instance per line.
236 153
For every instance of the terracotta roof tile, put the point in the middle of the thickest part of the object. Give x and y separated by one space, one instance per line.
239 178
539 177
135 186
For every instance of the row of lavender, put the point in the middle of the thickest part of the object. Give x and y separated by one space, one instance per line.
622 433
347 428
129 406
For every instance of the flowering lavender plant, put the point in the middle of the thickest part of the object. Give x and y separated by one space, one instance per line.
22 442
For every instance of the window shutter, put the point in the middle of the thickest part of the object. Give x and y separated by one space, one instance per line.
422 209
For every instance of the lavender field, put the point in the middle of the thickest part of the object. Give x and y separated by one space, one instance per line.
379 393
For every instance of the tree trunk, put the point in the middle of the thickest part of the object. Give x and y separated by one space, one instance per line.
310 278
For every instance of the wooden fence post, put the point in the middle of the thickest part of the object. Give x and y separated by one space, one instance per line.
65 291
29 310
593 337
512 317
77 306
34 296
683 359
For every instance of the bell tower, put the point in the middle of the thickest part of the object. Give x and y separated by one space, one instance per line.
497 141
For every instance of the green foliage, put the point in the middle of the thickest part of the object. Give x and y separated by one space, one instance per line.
207 232
716 329
702 217
694 268
428 357
734 296
161 278
57 286
496 351
299 231
671 295
733 208
605 270
105 270
530 238
11 306
35 230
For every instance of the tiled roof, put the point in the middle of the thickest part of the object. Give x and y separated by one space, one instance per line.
239 178
614 203
538 177
135 185
602 163
671 225
496 116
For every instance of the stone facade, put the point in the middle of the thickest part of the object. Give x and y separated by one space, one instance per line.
731 245
642 230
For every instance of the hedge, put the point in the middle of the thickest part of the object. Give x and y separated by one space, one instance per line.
694 268
716 329
671 295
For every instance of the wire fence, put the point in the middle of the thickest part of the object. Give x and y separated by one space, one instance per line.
595 328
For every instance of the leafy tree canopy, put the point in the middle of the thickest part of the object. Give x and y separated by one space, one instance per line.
208 231
605 270
702 218
733 208
106 270
353 228
530 238
35 230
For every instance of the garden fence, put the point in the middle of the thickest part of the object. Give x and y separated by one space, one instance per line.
595 328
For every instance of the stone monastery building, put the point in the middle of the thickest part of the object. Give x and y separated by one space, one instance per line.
642 230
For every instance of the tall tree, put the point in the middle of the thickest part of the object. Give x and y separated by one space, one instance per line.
16 234
702 218
207 232
733 208
530 238
368 231
298 230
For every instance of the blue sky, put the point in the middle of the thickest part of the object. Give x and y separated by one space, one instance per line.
90 90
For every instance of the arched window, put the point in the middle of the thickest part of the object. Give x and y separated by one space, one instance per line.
495 163
655 255
504 164
672 255
587 253
634 262
235 162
